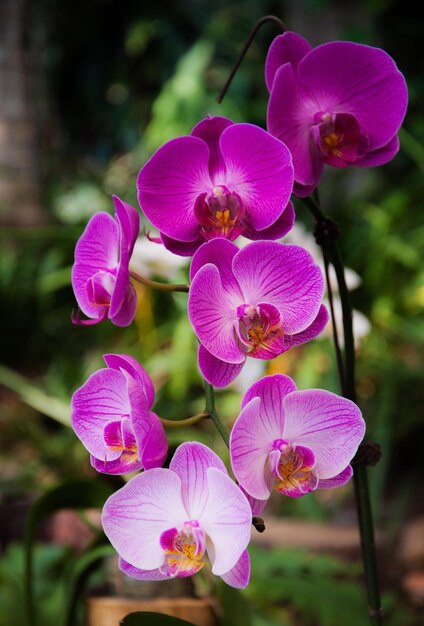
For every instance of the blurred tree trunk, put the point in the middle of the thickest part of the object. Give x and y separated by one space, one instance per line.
19 108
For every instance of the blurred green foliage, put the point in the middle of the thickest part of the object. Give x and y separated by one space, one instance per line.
122 78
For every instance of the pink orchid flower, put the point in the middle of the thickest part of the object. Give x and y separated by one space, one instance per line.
111 416
258 301
165 522
341 103
293 441
223 180
100 274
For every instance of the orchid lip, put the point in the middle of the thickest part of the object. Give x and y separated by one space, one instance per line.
292 469
184 550
220 214
259 329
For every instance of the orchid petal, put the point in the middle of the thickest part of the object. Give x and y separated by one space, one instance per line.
251 441
259 170
169 184
141 574
331 426
155 448
314 329
337 481
210 130
132 366
136 515
347 77
212 315
191 462
239 575
182 248
286 48
381 156
290 118
277 230
216 372
102 399
283 275
226 519
220 252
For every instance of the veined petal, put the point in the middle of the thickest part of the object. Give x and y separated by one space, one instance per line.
271 390
220 252
337 481
381 156
251 441
136 515
169 184
182 248
331 426
141 574
226 519
155 447
216 372
347 77
314 329
96 250
283 275
210 130
212 315
191 462
239 575
129 221
259 169
129 225
277 230
132 366
126 312
286 48
102 399
290 117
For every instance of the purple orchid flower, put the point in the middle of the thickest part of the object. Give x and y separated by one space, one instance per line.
293 441
164 522
223 180
100 275
341 103
258 301
111 416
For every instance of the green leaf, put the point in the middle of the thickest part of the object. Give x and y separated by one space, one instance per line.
146 618
77 494
34 397
83 567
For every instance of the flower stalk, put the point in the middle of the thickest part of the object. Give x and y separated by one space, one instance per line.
156 285
211 411
347 380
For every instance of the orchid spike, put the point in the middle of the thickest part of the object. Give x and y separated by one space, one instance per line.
164 522
341 103
100 274
111 416
223 180
258 301
293 441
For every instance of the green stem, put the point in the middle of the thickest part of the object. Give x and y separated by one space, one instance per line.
156 285
211 410
189 421
362 494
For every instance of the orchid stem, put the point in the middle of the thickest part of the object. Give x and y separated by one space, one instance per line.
360 477
156 285
189 421
250 38
211 411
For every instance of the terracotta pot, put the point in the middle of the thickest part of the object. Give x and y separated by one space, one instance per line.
108 611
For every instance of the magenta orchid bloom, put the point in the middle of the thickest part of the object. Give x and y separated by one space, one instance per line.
223 180
164 522
293 441
100 275
111 416
259 302
341 103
